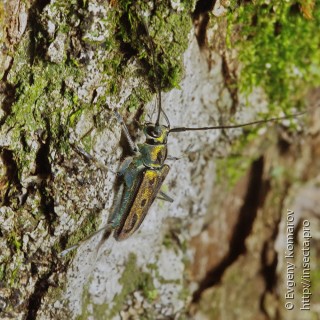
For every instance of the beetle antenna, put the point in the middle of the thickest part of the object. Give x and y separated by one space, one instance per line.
159 103
182 129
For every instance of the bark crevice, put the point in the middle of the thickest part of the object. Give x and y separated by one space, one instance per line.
243 228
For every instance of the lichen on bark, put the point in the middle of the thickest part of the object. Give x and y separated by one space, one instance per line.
66 65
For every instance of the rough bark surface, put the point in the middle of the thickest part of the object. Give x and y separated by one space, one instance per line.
216 252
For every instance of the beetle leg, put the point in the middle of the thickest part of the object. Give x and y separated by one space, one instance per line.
164 197
185 154
107 231
133 146
172 158
117 203
124 165
88 157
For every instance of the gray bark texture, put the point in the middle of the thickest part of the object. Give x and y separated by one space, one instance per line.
219 250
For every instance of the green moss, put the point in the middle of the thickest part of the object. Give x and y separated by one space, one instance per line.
278 47
135 101
231 169
160 52
159 55
277 171
2 272
265 36
14 273
87 142
168 242
46 92
88 227
14 242
39 106
55 293
85 314
184 295
132 279
46 98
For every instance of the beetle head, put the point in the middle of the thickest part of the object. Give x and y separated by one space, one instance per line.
156 134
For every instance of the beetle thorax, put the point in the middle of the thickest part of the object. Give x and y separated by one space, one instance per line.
154 150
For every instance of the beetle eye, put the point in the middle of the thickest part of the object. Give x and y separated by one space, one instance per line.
153 131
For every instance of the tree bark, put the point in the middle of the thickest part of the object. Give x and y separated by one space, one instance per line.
217 251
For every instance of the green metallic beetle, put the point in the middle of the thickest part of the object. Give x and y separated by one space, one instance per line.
143 175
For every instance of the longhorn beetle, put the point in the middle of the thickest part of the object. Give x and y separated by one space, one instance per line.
143 173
